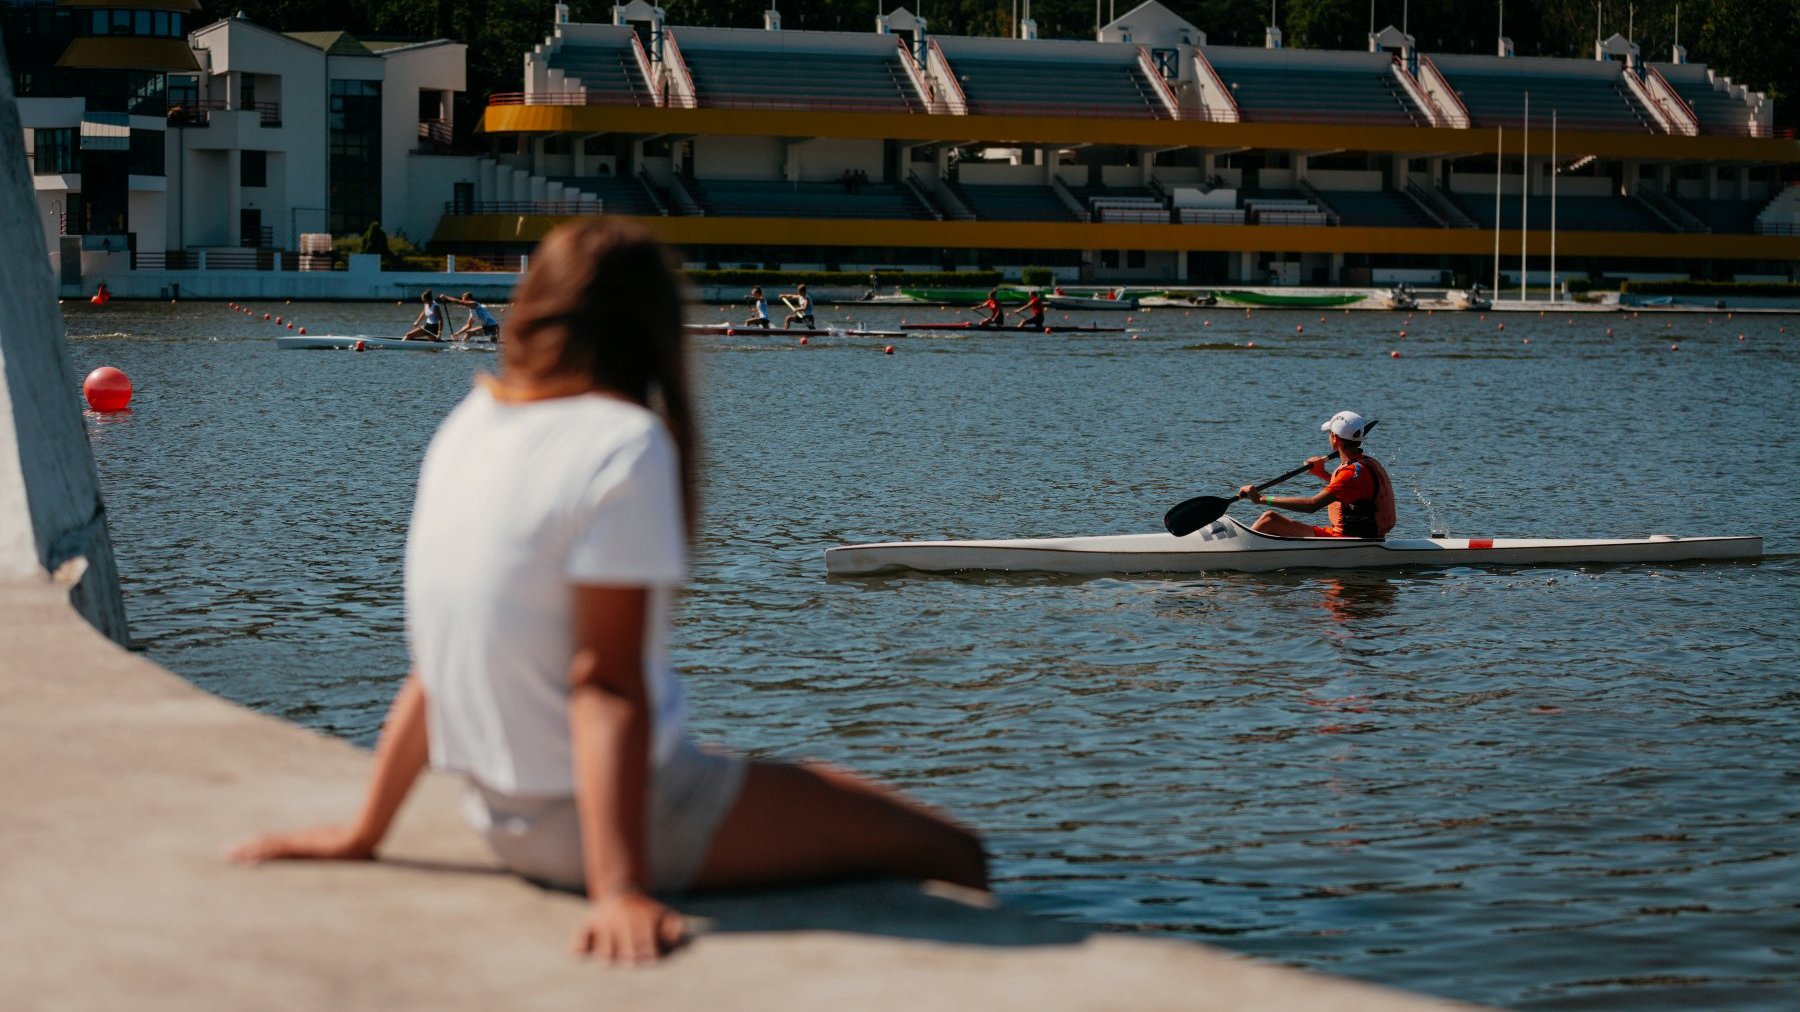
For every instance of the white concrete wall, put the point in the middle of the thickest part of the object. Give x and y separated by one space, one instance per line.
1346 180
826 158
431 180
406 72
51 517
1000 173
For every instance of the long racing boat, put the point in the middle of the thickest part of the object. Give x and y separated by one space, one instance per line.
364 342
1227 544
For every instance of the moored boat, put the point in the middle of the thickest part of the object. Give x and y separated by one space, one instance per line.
1087 328
1276 300
1228 545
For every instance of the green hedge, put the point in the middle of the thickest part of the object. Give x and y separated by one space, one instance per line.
849 279
1038 277
1710 288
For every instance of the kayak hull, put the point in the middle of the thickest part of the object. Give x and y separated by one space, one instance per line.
348 342
1229 546
1277 301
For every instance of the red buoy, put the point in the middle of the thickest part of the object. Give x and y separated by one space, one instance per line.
360 346
803 342
302 330
265 316
107 389
1393 354
889 350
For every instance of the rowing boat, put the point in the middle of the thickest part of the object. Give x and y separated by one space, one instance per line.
363 342
1099 304
740 330
1229 545
1084 329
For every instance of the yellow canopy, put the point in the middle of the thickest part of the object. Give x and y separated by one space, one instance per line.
126 53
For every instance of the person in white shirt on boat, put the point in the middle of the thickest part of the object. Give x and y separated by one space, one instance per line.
759 309
802 306
429 324
480 324
540 634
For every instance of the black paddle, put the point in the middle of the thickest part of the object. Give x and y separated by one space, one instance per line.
1185 518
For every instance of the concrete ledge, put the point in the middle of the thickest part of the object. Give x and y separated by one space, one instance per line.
123 783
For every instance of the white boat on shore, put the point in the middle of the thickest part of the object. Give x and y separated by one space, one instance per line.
364 342
1228 545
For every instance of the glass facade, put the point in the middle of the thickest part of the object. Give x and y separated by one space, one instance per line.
146 24
56 151
355 155
146 153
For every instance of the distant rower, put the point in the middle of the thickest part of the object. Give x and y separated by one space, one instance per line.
759 309
802 306
996 317
430 321
1032 313
1358 493
481 323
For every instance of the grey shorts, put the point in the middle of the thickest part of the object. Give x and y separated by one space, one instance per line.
540 838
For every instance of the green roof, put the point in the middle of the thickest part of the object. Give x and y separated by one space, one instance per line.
334 43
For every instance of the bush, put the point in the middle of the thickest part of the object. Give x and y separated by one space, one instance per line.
848 279
1580 286
1037 277
1777 288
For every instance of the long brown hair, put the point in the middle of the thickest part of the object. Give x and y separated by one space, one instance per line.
602 300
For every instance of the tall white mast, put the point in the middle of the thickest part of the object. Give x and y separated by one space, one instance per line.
1524 195
1554 172
1499 166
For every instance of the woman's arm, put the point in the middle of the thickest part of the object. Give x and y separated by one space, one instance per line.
399 756
609 728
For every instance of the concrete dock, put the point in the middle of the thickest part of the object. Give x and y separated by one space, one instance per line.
124 783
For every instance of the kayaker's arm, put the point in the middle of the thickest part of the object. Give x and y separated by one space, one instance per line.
1297 503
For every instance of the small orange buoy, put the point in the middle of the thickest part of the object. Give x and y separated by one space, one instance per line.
107 389
889 350
1609 332
1250 344
360 346
1299 329
278 319
1740 337
1524 340
1674 347
1393 354
265 316
302 330
1208 323
1403 333
97 300
803 342
290 326
1502 326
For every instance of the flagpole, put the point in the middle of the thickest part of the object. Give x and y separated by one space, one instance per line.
1499 165
1554 172
1524 196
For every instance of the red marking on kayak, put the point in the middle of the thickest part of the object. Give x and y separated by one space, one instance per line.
1481 542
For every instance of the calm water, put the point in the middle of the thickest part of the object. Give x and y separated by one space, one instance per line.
1544 788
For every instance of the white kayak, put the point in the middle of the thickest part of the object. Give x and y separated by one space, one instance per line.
1229 545
351 342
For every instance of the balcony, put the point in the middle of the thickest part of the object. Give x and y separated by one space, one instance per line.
198 112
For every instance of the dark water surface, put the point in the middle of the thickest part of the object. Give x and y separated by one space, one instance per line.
1544 788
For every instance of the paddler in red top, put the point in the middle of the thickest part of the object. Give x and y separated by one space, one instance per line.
1031 315
996 317
1358 493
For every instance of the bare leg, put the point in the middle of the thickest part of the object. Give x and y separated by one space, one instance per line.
801 823
1274 523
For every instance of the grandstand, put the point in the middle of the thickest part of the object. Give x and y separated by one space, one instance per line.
604 60
736 67
1002 76
1378 208
1349 87
1711 101
1573 214
1585 95
755 199
1145 155
1000 202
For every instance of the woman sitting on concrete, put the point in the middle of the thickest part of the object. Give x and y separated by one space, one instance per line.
540 634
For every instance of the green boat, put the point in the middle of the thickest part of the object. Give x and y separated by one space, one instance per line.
1291 301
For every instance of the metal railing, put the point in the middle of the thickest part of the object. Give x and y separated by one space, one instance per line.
437 132
1777 228
523 207
198 112
1231 113
259 238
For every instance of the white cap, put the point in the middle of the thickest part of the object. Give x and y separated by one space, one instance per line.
1345 425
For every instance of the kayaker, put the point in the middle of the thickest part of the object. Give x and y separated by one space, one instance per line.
1032 313
481 323
430 321
802 306
759 309
1358 494
540 645
996 317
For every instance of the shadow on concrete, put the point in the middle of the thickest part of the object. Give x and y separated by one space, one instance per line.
888 907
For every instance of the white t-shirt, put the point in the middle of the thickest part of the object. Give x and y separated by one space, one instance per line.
517 504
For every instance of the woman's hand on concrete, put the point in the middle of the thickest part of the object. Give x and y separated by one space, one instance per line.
628 928
319 843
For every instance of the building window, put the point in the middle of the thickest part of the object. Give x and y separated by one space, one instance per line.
146 155
558 144
355 143
248 90
140 22
253 168
58 152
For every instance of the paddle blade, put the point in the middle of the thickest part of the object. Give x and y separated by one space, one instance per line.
1185 518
